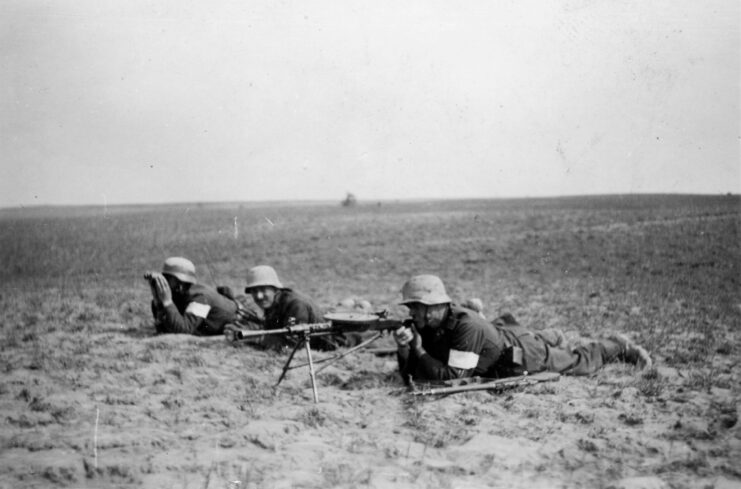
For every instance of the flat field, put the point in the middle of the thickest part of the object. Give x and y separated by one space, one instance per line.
91 398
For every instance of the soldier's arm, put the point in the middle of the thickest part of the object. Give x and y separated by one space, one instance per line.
465 347
430 368
248 314
301 312
172 321
158 312
407 363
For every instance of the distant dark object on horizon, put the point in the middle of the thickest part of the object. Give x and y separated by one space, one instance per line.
350 200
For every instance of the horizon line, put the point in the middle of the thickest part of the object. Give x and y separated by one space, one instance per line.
359 202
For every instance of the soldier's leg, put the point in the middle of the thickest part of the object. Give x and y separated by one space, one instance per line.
590 357
552 337
629 352
582 360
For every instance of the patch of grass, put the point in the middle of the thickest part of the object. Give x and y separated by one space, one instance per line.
696 463
176 372
343 473
149 356
40 357
650 383
194 361
630 419
115 472
173 403
232 475
63 475
414 414
255 391
119 400
701 379
431 431
364 380
314 418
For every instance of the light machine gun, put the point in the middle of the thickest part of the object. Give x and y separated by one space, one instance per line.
335 323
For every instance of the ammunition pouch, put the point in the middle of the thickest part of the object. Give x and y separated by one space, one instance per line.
513 361
524 351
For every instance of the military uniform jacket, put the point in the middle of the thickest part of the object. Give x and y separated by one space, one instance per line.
202 311
291 304
467 345
292 307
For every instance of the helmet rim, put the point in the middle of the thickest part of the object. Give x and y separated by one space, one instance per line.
262 276
424 289
180 268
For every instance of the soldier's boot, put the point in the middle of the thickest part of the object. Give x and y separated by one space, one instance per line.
632 353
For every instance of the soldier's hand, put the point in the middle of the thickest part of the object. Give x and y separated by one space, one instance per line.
416 341
149 277
163 289
403 336
230 331
153 290
231 327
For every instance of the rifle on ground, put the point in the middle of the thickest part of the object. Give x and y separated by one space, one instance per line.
481 384
335 323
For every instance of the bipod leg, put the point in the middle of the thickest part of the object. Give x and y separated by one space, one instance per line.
351 350
311 369
287 365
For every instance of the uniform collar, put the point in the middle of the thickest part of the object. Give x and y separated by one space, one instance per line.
281 295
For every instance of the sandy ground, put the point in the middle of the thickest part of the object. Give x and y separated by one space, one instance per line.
90 398
122 409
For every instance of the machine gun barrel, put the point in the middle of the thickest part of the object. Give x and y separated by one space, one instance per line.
297 329
336 323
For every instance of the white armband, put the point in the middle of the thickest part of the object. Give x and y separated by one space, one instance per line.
465 360
197 309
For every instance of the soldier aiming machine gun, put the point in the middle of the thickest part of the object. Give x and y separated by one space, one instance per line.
336 323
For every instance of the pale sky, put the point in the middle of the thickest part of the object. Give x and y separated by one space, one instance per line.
106 102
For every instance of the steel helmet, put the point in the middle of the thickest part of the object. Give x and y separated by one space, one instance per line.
180 268
425 289
262 276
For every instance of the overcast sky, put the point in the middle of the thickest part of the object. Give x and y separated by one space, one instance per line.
106 102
